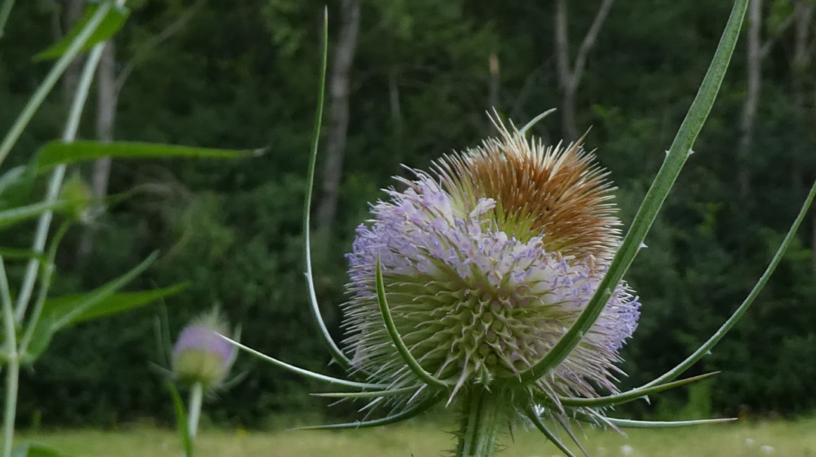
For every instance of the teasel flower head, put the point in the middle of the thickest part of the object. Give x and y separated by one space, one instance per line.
201 354
486 262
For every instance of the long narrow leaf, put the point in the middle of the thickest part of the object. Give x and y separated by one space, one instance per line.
14 253
14 216
85 303
626 423
302 372
59 153
539 424
114 303
673 164
409 413
631 395
403 350
111 23
323 331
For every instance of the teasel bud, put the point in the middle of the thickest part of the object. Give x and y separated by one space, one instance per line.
201 355
486 262
79 198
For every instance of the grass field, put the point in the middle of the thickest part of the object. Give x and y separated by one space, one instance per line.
789 439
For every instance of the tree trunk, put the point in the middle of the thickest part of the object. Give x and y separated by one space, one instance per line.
107 101
749 108
338 112
569 74
73 12
565 76
495 81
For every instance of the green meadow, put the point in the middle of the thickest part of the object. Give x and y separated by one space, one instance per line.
420 439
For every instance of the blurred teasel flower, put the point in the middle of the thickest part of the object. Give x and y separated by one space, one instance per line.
200 354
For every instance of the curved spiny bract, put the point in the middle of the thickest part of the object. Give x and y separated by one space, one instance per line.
409 413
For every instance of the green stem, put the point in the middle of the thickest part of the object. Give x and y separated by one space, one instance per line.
480 423
4 15
57 176
196 396
13 369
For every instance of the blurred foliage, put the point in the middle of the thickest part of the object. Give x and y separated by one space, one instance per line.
243 74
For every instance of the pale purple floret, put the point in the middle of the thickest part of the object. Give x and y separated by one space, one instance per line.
205 339
473 269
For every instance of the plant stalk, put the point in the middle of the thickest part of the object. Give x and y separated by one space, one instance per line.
196 396
480 423
13 369
57 176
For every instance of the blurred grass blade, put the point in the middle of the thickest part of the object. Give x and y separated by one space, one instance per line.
5 12
181 419
729 324
86 302
408 413
314 307
15 186
35 450
302 372
626 423
673 164
115 303
114 20
15 253
50 80
13 216
539 424
632 395
60 153
403 350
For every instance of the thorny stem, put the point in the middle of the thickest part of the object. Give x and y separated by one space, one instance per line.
481 418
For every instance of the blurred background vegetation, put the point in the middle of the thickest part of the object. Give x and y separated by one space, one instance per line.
409 81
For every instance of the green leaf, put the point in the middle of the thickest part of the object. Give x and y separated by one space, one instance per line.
116 303
14 216
40 339
83 307
57 152
15 253
35 450
110 24
15 186
628 396
181 419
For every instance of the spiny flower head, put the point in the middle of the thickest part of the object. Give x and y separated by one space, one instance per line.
201 355
487 261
